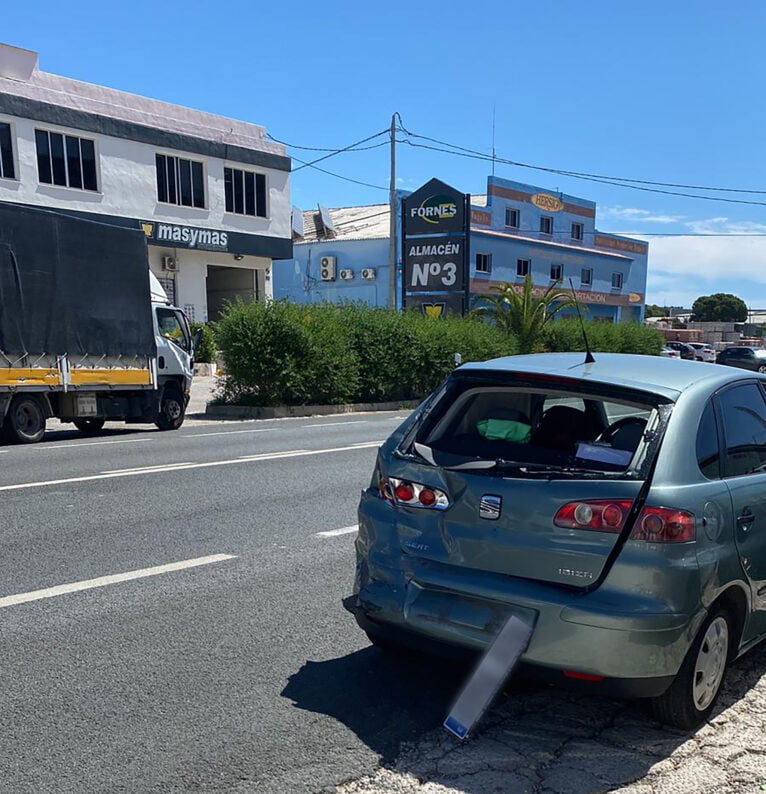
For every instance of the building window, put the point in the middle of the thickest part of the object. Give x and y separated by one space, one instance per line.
616 280
557 272
546 224
180 181
511 218
168 283
483 263
245 192
522 267
586 277
577 230
66 160
7 170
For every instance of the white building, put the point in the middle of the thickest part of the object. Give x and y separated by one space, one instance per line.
212 194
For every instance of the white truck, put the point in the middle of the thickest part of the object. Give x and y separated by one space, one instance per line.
85 336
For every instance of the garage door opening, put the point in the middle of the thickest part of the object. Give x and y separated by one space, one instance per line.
226 284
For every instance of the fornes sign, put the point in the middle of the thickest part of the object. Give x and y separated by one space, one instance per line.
435 208
186 236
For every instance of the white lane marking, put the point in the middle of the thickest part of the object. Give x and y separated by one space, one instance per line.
102 581
46 447
161 466
331 533
180 467
226 432
340 424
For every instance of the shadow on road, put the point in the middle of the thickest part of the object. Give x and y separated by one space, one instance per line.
534 738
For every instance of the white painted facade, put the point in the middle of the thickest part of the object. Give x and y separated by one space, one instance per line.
127 175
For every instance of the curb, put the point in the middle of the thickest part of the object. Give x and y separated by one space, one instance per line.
286 411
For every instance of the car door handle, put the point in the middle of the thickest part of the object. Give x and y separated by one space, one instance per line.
746 519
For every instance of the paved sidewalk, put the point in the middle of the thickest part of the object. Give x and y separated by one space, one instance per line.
552 742
202 390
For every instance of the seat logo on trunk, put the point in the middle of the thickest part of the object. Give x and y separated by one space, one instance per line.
490 506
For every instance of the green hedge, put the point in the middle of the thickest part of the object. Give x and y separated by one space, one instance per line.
286 354
206 350
281 353
566 335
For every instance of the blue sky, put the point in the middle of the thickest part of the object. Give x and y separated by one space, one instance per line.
663 91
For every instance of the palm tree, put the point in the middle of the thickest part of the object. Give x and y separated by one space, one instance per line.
521 312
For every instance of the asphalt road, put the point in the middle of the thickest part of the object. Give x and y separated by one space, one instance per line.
170 620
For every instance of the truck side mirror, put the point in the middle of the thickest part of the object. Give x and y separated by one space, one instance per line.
197 339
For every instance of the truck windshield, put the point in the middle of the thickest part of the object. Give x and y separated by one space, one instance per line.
173 326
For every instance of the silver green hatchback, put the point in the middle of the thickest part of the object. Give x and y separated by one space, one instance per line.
618 507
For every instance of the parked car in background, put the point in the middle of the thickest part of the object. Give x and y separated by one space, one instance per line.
744 357
703 352
687 351
669 352
617 507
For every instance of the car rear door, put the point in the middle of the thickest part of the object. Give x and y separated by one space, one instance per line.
742 410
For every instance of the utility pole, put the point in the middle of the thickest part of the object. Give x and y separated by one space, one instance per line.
392 220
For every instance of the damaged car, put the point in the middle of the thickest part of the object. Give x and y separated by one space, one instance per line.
617 507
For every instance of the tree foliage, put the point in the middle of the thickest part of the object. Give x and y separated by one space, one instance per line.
721 307
522 313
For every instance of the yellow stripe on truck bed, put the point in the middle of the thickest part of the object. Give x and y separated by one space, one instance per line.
38 376
110 377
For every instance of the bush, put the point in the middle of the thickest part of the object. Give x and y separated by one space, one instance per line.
279 353
566 335
205 352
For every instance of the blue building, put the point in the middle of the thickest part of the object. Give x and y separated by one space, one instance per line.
516 229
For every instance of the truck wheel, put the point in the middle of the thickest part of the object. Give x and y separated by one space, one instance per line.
172 410
25 422
690 698
90 427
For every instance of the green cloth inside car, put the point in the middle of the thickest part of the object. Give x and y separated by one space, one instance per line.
505 430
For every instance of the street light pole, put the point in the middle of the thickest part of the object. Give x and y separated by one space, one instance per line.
392 220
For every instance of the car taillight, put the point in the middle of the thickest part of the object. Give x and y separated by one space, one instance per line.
601 515
664 525
654 525
412 494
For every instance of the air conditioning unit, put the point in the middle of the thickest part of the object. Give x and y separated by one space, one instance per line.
169 263
369 273
327 268
347 275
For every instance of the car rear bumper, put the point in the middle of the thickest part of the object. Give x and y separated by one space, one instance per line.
405 638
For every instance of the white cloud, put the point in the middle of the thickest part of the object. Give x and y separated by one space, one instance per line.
637 215
725 226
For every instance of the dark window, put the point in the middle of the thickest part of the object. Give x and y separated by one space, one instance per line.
522 267
744 419
6 152
557 272
586 277
66 160
577 231
546 224
708 453
512 217
616 280
483 263
245 192
180 181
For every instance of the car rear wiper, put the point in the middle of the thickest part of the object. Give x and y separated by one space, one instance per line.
546 468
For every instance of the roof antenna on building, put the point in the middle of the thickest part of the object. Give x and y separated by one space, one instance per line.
588 355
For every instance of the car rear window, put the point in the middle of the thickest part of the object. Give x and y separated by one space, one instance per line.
537 428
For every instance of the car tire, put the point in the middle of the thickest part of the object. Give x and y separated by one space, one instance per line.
691 697
172 410
388 645
90 427
762 368
25 421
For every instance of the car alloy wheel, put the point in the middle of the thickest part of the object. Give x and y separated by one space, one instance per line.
711 663
762 368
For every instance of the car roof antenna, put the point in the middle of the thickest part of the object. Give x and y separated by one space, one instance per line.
588 355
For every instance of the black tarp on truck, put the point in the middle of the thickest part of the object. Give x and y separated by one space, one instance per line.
71 286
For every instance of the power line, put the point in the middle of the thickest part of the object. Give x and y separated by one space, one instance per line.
321 149
344 149
340 176
574 175
583 174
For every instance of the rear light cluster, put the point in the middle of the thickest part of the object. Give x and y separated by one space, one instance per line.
412 494
654 525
